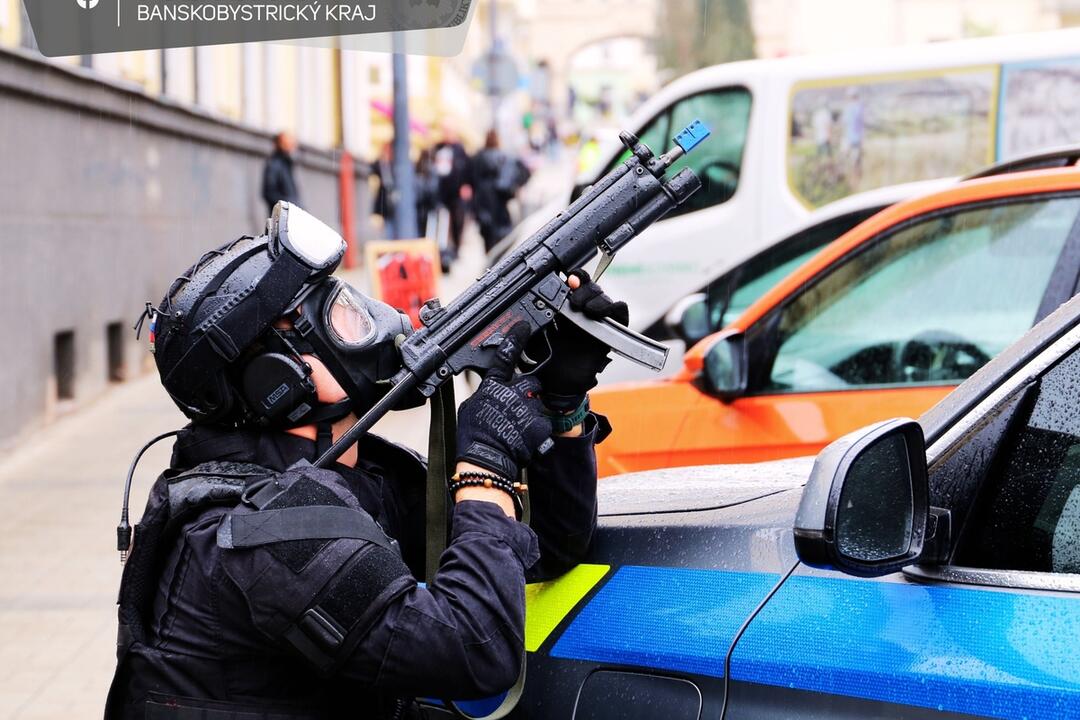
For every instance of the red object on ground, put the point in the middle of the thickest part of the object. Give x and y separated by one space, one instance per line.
347 186
407 281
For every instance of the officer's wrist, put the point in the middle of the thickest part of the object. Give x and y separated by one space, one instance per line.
568 415
576 431
483 494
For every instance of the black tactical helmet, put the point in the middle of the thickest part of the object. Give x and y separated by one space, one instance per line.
217 352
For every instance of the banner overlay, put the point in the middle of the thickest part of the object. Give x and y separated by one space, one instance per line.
77 27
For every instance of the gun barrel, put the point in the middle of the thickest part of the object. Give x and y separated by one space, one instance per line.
675 192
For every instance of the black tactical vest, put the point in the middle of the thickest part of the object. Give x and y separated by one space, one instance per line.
289 534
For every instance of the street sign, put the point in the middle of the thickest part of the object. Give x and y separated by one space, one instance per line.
497 73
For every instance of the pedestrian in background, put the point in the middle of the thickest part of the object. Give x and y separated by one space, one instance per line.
386 197
497 177
455 185
279 181
427 192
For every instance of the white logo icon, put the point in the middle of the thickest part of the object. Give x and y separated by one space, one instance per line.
87 4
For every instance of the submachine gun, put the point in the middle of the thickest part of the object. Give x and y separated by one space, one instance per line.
528 285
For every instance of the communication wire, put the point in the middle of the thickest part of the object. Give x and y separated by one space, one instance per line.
742 629
123 530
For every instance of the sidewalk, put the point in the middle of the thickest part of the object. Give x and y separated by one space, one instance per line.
61 494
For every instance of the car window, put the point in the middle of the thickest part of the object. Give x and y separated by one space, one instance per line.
760 273
718 160
929 304
1030 512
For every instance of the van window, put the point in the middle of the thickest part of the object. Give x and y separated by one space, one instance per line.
718 160
928 305
854 134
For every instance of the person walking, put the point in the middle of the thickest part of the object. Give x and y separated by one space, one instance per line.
455 185
261 586
497 177
279 179
427 192
386 196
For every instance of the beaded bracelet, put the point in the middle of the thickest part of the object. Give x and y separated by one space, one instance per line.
473 478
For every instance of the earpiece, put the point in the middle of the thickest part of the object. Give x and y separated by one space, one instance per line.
277 388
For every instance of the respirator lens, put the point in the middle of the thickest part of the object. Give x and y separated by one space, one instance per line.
349 321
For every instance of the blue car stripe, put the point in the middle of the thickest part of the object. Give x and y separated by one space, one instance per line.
665 618
956 649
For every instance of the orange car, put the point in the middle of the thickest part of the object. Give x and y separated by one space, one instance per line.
881 323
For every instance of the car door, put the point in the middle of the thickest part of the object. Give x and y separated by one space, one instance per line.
640 629
885 332
993 631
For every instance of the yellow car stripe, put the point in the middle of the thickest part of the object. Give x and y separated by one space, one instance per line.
547 603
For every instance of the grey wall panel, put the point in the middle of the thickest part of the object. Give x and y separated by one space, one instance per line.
105 196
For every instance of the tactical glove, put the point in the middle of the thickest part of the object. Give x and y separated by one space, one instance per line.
502 425
576 356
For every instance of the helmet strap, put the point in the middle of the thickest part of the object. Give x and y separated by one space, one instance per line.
324 438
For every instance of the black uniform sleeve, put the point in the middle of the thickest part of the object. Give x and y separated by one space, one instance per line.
562 495
351 609
463 636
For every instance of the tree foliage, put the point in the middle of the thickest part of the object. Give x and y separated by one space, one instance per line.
692 34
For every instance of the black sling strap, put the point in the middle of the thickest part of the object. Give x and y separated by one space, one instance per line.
442 452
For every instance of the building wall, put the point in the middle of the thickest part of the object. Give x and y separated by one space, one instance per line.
106 195
797 27
9 22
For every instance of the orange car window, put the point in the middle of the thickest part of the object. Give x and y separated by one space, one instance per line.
730 295
927 305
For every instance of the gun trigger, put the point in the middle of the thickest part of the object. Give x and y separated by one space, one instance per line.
602 265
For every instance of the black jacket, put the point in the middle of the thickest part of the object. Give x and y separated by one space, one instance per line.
279 183
386 197
221 632
453 168
496 179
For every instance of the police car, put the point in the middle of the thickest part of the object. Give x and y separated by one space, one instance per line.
915 570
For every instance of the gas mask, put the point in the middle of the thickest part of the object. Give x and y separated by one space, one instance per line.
355 336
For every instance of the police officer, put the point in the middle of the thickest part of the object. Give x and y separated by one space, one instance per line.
260 586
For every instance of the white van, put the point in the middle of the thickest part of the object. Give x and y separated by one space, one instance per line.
793 134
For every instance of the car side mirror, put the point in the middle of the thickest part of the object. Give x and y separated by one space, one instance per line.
725 366
688 319
865 508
